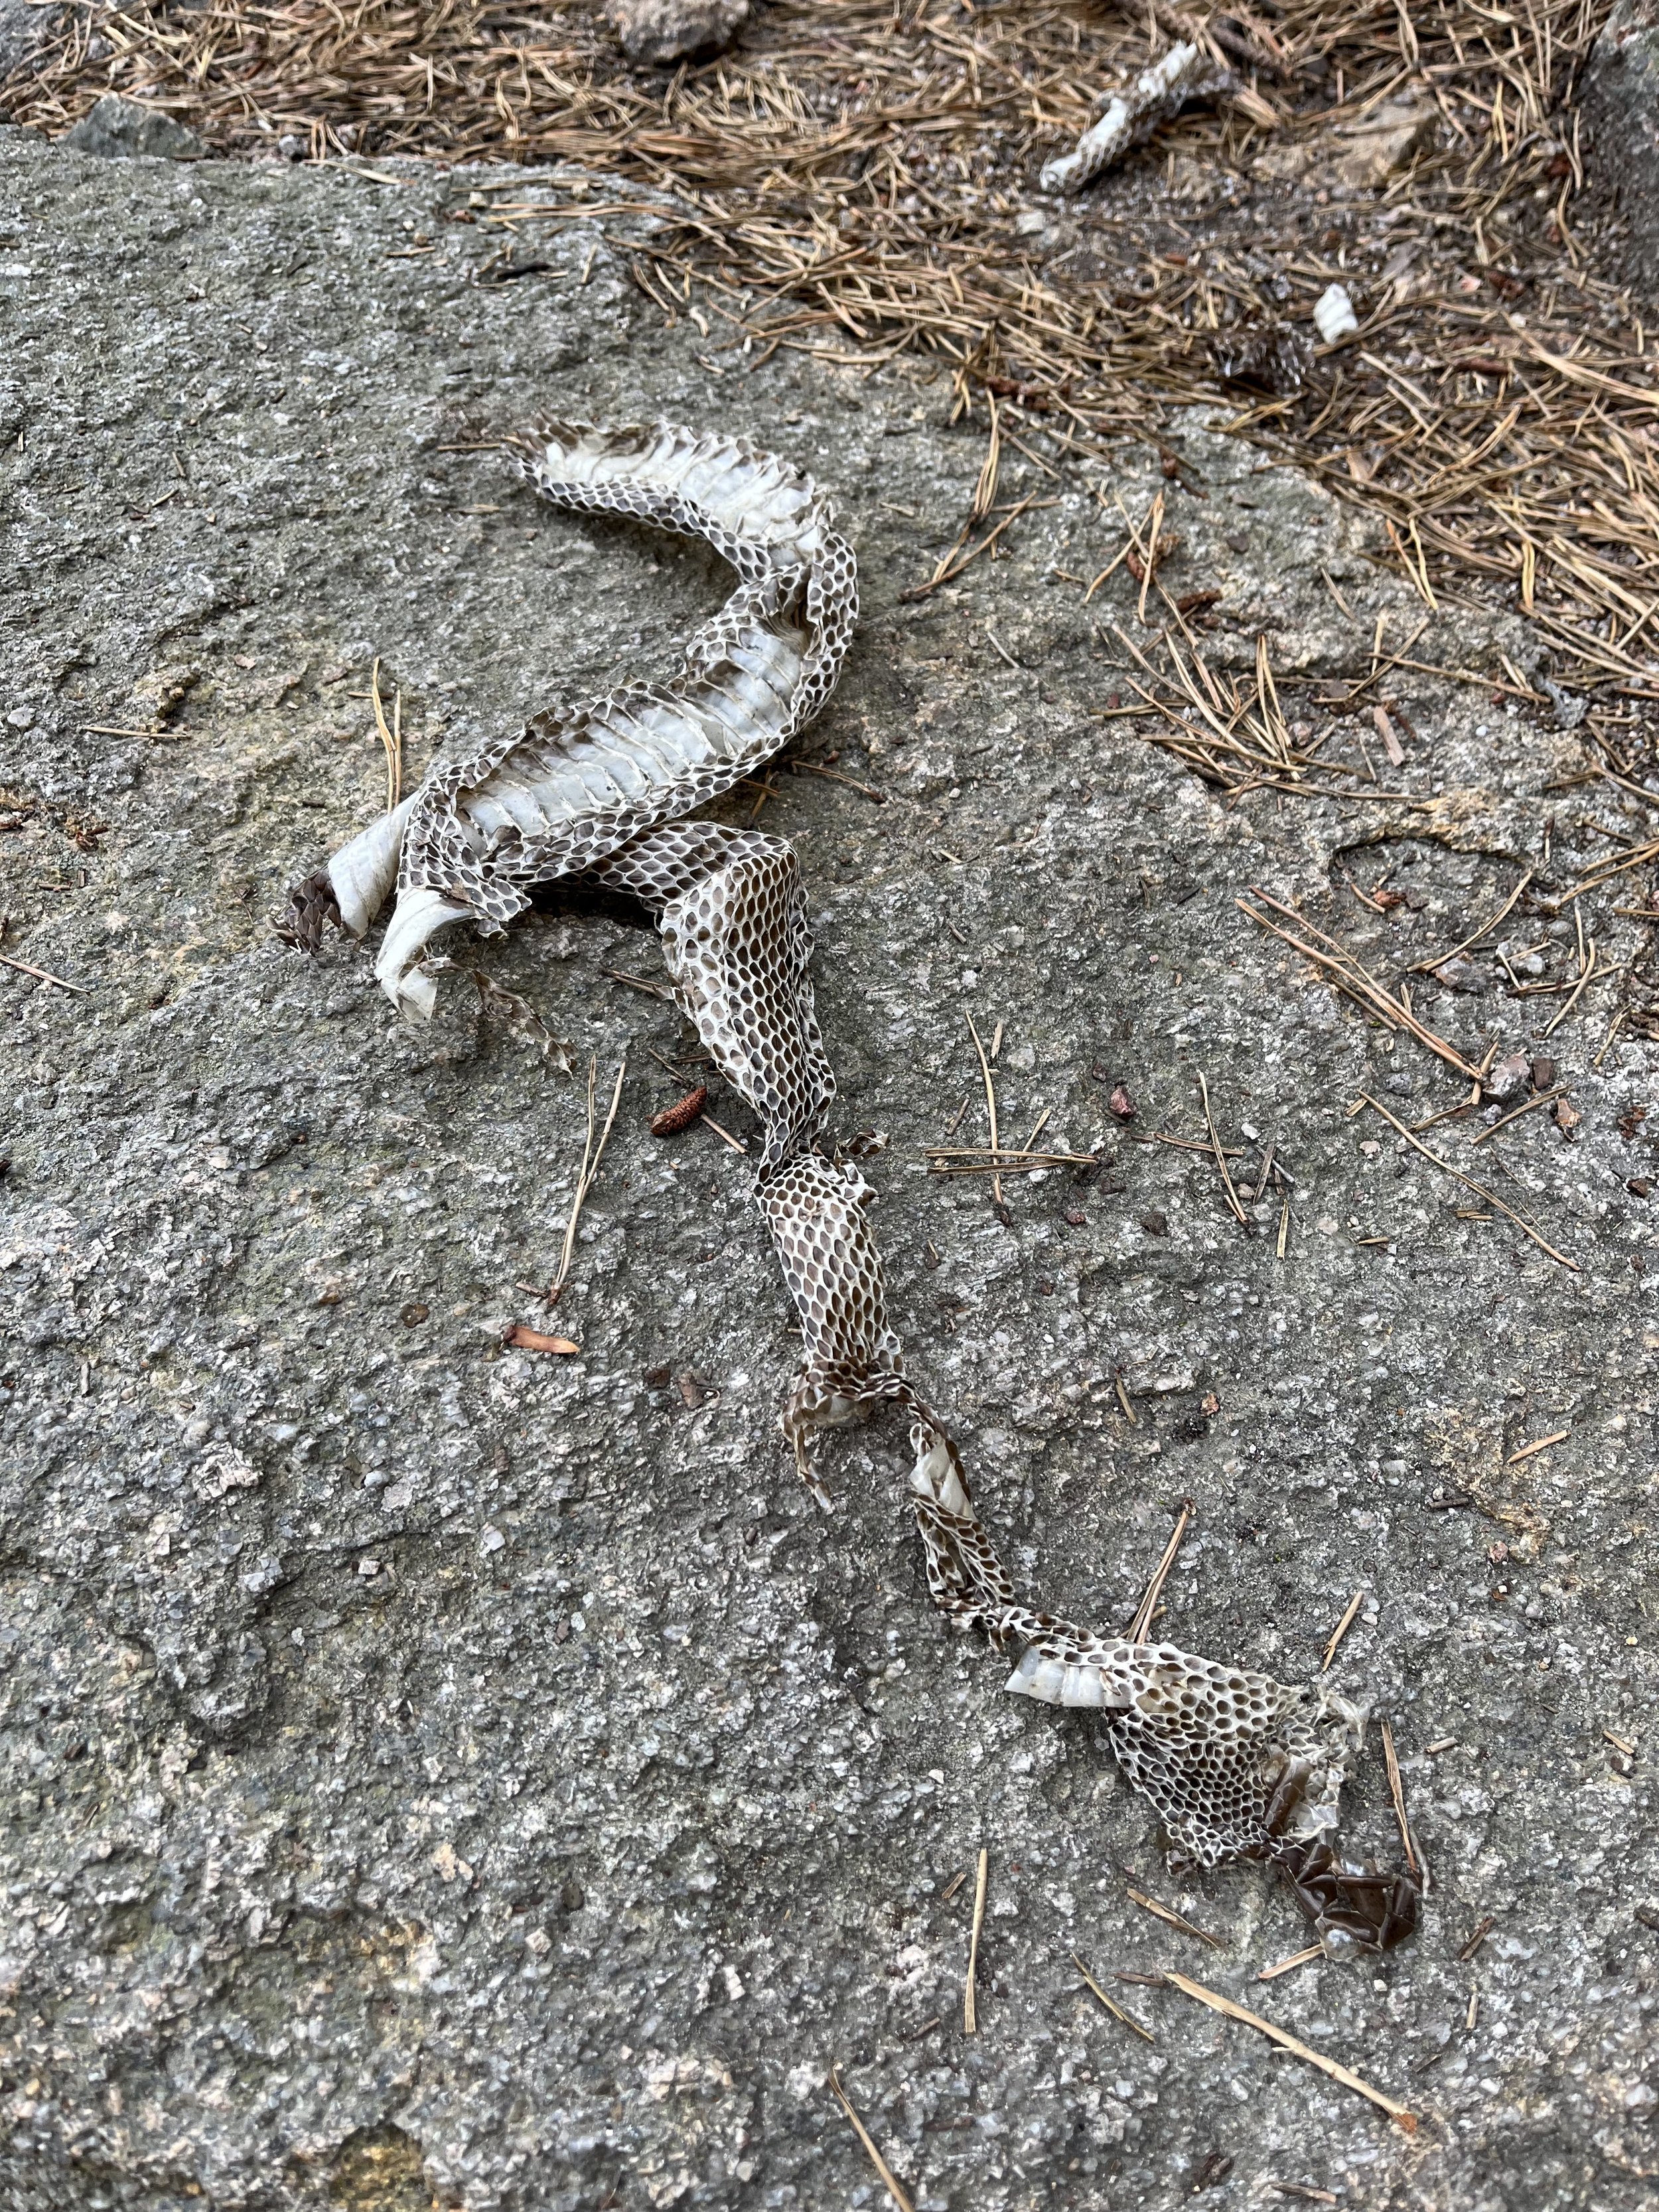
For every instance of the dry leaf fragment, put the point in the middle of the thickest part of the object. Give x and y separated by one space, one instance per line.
533 1339
1567 1116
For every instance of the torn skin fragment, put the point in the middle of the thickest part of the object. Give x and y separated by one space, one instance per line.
1134 114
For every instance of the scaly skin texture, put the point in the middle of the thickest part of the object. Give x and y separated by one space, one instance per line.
1238 1766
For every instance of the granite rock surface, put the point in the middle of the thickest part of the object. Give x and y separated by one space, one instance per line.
1621 118
436 1772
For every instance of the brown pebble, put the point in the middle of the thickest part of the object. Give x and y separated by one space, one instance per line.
658 1378
412 1316
1121 1104
1543 1073
1075 1219
1638 1187
673 1119
1567 1115
1154 1224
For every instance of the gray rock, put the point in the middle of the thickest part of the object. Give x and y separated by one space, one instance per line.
1382 142
428 1769
661 31
25 28
121 129
1511 1076
1620 108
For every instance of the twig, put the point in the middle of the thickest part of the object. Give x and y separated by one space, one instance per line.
1597 876
1296 1959
1543 1444
1136 1632
976 1160
1171 1918
1115 563
640 983
1428 967
1397 1791
23 967
1183 1144
990 1103
1115 2010
391 740
1401 2113
950 568
1342 1628
1239 1214
888 2180
1469 1184
833 775
1588 970
969 1991
1355 981
733 1144
1478 1936
1617 1024
1543 1098
591 1159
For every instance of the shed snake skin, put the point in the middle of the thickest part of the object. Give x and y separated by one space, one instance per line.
1236 1765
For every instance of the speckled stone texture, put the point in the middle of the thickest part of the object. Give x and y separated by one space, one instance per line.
1621 122
440 1772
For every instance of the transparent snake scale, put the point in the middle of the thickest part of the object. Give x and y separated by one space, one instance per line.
1236 1765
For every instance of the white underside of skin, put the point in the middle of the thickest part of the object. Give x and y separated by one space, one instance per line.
1156 94
582 780
418 917
362 873
1054 1682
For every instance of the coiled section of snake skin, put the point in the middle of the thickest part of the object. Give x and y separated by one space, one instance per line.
1238 1766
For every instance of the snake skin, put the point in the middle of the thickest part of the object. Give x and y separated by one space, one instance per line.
1237 1766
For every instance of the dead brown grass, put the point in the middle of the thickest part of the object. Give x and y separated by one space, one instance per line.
860 178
